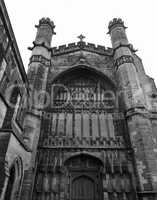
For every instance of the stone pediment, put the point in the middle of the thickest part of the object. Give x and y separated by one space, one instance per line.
89 47
81 60
65 61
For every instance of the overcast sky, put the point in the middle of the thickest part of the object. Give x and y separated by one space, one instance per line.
91 18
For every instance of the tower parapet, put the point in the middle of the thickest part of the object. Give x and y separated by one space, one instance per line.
117 31
116 22
45 32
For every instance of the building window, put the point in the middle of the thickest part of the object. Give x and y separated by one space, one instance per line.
3 110
2 68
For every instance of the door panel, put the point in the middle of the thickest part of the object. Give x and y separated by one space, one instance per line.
85 178
83 188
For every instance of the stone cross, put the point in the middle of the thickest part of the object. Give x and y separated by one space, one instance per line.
81 37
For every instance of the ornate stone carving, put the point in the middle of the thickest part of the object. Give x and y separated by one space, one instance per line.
130 46
41 59
123 59
72 47
42 44
85 142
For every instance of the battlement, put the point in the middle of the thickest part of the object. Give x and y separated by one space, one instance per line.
85 142
116 22
81 46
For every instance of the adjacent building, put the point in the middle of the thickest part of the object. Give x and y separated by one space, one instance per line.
15 153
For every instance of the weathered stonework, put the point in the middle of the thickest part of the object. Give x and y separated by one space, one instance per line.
123 59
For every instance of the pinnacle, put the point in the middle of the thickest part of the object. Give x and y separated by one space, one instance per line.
47 21
116 22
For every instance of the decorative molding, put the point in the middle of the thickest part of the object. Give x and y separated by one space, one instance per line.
85 142
34 112
50 159
147 193
130 46
39 45
138 111
123 59
153 115
72 47
41 59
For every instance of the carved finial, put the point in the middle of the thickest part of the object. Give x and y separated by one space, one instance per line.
46 21
81 37
115 23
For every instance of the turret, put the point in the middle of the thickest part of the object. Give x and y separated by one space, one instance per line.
134 105
38 68
129 86
45 32
40 60
117 31
42 43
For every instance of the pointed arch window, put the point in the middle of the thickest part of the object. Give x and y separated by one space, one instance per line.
83 89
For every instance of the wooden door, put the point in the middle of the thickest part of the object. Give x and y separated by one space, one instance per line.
83 188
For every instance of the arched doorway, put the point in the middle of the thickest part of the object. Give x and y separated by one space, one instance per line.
83 187
85 177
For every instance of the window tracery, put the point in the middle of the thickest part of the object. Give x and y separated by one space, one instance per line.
83 90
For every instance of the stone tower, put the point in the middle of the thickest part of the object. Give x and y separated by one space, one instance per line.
37 76
136 91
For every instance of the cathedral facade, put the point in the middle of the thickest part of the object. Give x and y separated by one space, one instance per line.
81 124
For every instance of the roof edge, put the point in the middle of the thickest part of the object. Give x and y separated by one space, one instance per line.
72 47
9 29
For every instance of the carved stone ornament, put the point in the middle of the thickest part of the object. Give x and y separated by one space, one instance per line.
41 59
123 59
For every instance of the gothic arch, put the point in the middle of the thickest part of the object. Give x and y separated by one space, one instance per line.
85 176
85 154
15 179
88 69
83 86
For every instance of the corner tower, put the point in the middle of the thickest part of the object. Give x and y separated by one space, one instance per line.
40 62
41 54
38 68
128 80
137 115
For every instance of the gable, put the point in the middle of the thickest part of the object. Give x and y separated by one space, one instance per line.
102 63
